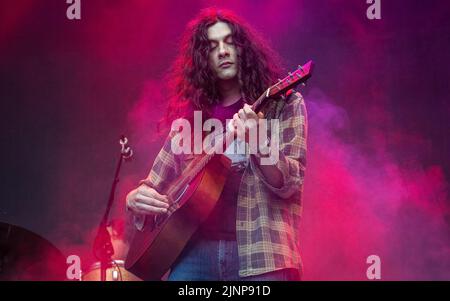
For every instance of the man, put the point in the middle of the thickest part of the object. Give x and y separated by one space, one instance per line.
252 234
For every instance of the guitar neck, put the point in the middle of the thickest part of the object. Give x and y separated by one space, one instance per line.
299 76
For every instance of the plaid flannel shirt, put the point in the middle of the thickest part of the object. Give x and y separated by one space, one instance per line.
268 218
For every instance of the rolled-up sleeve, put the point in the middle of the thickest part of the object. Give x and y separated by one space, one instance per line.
292 149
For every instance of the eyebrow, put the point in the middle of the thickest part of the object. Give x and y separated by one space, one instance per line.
226 37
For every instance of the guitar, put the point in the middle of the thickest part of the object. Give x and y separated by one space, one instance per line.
192 197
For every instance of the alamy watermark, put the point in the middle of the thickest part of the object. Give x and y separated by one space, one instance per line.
254 133
73 271
374 270
374 10
73 11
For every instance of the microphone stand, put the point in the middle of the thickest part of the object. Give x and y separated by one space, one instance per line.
103 248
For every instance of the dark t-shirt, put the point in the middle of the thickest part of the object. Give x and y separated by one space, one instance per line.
221 224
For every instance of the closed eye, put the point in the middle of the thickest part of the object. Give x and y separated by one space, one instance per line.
229 40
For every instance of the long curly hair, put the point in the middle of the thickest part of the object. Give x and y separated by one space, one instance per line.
191 81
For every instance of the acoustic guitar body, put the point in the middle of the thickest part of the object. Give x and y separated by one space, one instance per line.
154 249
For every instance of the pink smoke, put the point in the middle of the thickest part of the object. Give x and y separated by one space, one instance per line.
358 204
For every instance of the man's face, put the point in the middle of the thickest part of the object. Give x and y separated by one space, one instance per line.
223 53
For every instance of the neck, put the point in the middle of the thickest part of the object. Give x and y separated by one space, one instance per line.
229 91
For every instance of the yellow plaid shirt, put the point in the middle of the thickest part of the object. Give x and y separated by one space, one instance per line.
268 218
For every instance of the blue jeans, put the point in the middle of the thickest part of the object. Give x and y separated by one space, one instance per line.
218 260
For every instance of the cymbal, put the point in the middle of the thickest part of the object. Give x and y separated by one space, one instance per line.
25 255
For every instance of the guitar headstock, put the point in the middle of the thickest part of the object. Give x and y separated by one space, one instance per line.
299 76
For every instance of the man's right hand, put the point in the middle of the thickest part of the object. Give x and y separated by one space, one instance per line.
147 201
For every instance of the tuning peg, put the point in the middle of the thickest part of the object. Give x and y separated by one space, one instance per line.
303 84
300 68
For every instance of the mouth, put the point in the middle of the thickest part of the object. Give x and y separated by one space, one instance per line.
225 65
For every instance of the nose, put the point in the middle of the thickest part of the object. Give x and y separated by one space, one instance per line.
223 50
